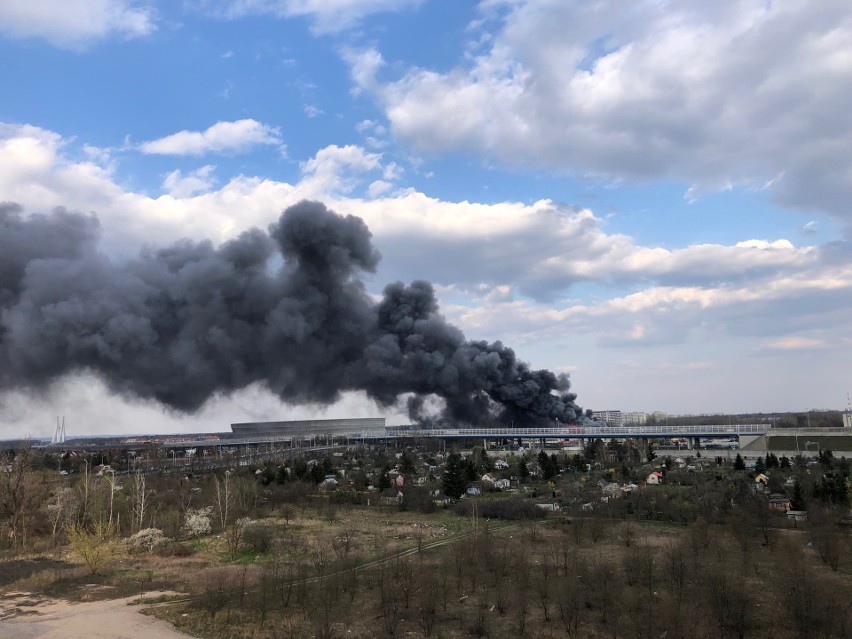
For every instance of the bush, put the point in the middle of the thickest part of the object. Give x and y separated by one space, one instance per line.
259 538
147 540
417 499
95 545
174 549
197 522
512 509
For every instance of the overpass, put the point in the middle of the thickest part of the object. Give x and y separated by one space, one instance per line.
395 433
566 432
752 438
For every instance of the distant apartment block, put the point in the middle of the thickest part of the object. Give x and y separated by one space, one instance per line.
847 420
634 418
611 417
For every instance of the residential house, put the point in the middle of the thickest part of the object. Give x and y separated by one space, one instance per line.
780 503
440 499
551 506
797 516
390 497
655 478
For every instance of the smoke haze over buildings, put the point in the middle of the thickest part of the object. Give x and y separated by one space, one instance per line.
181 324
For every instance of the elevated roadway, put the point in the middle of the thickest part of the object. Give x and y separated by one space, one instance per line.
554 432
570 432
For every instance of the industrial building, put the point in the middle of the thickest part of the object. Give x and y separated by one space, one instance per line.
309 427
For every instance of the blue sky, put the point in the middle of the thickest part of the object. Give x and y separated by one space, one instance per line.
657 201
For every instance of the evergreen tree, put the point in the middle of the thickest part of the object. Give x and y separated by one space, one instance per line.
384 480
651 455
826 458
739 464
798 500
406 464
759 465
455 481
549 467
471 472
523 471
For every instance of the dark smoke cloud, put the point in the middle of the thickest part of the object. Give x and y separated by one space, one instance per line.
181 324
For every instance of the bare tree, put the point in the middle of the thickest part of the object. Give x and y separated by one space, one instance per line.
569 598
543 582
141 497
627 533
214 588
390 602
827 541
816 608
224 499
522 580
405 578
18 493
342 544
234 534
428 609
730 602
62 510
111 484
676 569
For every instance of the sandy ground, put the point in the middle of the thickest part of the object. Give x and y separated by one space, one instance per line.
26 616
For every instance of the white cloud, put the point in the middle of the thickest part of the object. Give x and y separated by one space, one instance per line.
809 228
73 23
378 188
327 16
719 95
312 111
795 342
540 276
337 169
222 137
198 181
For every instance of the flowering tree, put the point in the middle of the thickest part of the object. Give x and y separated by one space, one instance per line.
197 521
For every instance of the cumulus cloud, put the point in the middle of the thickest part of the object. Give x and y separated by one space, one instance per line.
180 186
73 24
540 275
223 137
327 16
515 264
338 169
731 95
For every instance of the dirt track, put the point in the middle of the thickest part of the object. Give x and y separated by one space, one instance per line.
25 616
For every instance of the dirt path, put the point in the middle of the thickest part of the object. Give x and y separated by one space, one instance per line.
26 616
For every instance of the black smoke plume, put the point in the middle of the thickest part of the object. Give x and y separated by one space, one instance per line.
183 323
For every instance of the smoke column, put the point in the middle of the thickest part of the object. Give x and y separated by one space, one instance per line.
183 323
